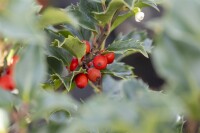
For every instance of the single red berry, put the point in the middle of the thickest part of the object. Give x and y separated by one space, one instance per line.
87 46
94 74
7 83
81 80
74 64
100 62
110 57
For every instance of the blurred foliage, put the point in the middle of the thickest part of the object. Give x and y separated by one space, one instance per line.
46 42
177 57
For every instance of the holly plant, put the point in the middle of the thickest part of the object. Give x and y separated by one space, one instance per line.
46 52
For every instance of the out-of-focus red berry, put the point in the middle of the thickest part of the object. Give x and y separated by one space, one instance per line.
7 82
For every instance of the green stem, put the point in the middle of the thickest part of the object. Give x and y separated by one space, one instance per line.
96 89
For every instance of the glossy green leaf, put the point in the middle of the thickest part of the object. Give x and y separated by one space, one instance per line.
59 53
81 33
119 70
144 3
59 75
52 84
67 81
59 34
56 66
120 19
73 45
83 20
127 45
88 7
106 16
130 3
140 36
53 16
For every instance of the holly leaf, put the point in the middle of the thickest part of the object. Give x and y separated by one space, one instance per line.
47 103
133 97
106 16
140 36
120 70
59 75
177 55
67 81
60 54
52 84
12 21
56 66
73 45
30 71
7 99
130 3
83 20
120 19
144 3
53 16
88 7
59 34
122 46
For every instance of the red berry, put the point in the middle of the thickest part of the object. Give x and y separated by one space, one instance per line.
81 80
110 57
100 62
74 64
87 46
7 83
94 74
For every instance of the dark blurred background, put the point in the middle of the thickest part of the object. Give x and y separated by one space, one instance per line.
143 67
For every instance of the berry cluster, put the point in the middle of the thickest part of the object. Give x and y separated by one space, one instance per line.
93 65
6 80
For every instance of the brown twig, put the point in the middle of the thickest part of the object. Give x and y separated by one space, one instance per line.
99 43
192 126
